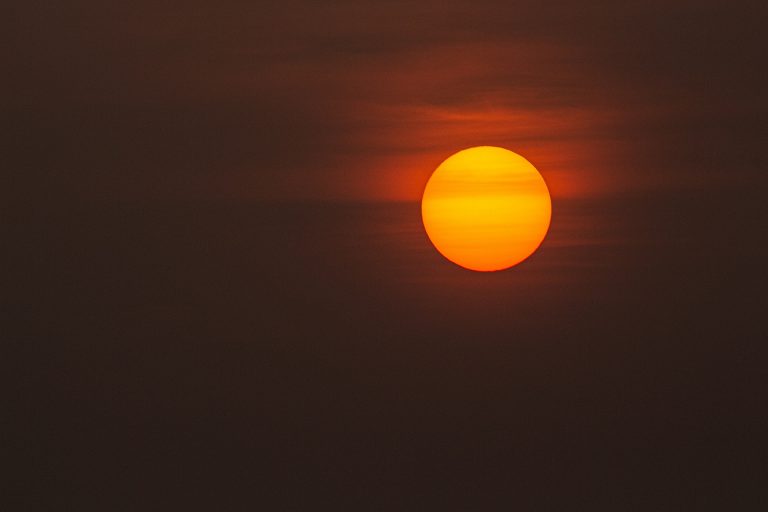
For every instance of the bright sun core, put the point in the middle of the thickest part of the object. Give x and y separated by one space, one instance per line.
486 208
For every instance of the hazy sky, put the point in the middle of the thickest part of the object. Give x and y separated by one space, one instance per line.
184 330
361 100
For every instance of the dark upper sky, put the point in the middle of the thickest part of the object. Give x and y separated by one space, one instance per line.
219 294
360 100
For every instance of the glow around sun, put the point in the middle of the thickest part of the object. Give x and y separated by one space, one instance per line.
486 208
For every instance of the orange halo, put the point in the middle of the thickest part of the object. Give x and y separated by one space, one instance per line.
486 208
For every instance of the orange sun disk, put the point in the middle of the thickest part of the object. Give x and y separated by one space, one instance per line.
486 208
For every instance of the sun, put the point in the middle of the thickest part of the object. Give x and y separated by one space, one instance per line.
486 208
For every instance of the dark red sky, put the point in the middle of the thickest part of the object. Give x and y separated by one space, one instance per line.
360 100
219 294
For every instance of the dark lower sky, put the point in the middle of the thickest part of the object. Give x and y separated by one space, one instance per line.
219 294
